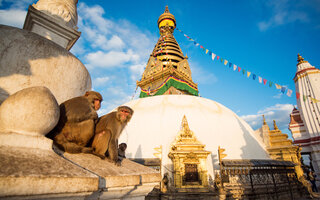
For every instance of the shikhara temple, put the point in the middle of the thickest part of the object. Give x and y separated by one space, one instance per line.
180 145
202 149
305 120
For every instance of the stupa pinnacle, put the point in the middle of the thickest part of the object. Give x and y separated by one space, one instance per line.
167 71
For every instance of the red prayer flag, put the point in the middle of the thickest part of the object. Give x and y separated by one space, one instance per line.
264 81
297 95
239 69
201 47
218 57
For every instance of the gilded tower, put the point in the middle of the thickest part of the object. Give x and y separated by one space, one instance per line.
167 70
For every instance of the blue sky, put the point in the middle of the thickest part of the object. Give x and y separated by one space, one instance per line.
262 37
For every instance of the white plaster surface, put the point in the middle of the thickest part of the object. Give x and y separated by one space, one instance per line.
27 59
156 121
31 111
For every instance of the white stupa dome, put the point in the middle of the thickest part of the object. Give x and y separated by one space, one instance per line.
157 120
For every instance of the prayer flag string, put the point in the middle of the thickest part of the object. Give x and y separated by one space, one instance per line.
283 89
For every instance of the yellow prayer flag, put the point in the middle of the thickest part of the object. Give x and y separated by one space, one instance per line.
207 51
248 74
225 62
278 86
314 100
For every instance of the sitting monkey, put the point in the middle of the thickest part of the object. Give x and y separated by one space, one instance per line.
108 130
122 151
76 124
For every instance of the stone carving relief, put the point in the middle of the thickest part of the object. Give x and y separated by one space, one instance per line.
65 10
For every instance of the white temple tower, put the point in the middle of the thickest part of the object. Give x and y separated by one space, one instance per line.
305 122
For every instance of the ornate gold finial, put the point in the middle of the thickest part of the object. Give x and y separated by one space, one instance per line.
184 124
167 19
167 9
264 120
275 125
301 59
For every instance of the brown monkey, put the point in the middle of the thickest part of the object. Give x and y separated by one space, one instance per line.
122 151
108 130
76 123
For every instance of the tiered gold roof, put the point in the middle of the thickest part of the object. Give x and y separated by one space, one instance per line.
166 59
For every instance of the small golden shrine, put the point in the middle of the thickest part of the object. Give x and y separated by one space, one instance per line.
189 161
281 148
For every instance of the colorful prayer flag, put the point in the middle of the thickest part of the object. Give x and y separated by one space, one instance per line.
207 51
234 67
213 56
194 42
270 84
314 100
283 89
221 59
278 86
260 79
201 47
210 52
248 74
230 64
218 57
264 81
297 95
225 62
304 98
243 71
239 69
254 76
289 92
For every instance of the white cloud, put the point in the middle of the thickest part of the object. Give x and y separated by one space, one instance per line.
279 112
283 12
100 81
278 96
111 58
13 17
202 76
136 71
115 43
93 16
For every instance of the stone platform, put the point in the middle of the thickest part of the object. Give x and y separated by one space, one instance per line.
40 173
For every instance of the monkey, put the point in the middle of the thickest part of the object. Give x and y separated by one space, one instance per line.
76 124
122 151
108 130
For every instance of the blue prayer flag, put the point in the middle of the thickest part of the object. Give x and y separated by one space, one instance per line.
254 76
283 89
230 64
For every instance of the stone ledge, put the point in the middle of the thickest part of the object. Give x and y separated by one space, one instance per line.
27 171
128 174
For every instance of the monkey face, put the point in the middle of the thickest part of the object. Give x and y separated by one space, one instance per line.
97 104
124 115
123 146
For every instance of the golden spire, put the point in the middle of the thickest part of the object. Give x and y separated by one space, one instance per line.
275 125
166 62
264 120
301 60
